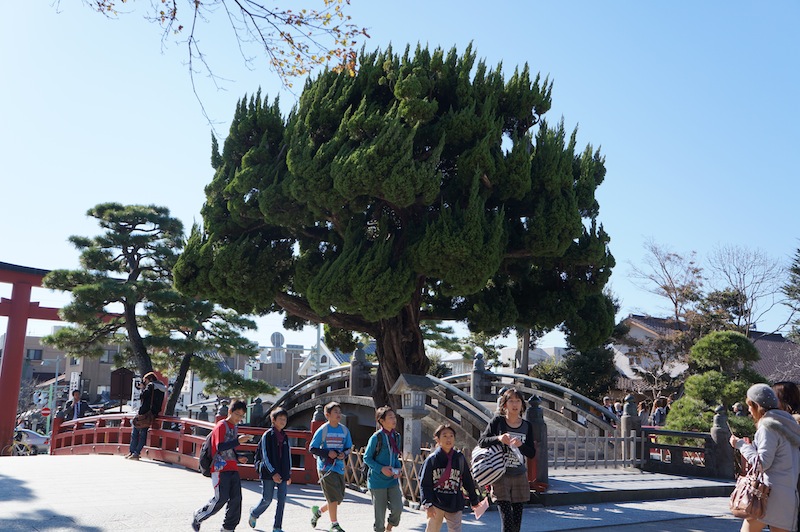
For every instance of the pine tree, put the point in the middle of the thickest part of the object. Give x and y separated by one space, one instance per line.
123 294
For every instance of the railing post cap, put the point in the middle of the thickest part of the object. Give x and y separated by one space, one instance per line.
319 414
720 410
629 398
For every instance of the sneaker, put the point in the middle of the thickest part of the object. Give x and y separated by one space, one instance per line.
195 525
315 515
336 528
134 457
252 521
127 456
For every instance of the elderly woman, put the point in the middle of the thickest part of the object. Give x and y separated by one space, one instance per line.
777 444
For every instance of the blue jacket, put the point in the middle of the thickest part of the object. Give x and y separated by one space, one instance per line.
273 462
384 457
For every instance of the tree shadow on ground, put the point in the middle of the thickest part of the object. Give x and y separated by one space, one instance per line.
43 520
11 489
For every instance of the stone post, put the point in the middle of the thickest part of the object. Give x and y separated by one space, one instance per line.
478 379
360 383
257 414
629 422
722 452
537 467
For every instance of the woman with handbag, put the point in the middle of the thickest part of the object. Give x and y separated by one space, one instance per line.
508 427
776 446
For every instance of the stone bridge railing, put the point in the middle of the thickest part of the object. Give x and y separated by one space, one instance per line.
566 407
440 402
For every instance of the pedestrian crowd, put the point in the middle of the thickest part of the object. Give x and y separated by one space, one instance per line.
447 483
445 476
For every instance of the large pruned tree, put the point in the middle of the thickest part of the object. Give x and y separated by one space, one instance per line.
424 187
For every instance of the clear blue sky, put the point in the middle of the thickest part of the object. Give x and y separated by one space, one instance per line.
695 105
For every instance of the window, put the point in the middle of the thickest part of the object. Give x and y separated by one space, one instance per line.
73 361
108 356
33 354
104 392
324 359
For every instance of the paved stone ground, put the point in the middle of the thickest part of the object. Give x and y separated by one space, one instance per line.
106 493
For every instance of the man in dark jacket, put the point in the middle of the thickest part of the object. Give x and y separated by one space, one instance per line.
77 408
152 399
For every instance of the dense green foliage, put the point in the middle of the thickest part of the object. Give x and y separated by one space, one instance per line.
725 357
792 292
725 351
425 187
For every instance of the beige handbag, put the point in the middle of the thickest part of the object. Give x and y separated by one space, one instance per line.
749 497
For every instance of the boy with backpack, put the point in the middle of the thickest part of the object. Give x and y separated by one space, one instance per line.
273 462
225 470
444 473
382 456
331 444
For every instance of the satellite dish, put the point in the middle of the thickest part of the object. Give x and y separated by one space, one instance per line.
276 339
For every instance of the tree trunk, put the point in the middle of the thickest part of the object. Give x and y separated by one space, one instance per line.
400 349
183 370
140 354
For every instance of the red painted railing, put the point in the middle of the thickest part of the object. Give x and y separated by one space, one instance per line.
172 440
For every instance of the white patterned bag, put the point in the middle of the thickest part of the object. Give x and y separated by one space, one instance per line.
488 464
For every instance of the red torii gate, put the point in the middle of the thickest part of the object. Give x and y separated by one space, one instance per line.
19 309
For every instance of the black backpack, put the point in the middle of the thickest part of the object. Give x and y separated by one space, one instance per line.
205 459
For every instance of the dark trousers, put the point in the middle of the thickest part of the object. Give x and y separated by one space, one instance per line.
138 439
227 489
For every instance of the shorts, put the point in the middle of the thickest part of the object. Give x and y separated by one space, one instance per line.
512 488
332 486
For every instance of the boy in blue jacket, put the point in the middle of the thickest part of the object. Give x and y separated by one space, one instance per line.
273 461
444 473
382 456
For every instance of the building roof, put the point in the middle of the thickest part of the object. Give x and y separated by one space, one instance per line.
780 357
658 325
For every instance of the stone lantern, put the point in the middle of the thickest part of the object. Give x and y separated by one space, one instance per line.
412 390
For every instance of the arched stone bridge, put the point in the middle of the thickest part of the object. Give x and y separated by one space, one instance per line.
466 401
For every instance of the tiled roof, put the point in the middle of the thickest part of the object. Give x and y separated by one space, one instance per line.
780 357
659 325
344 358
341 358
